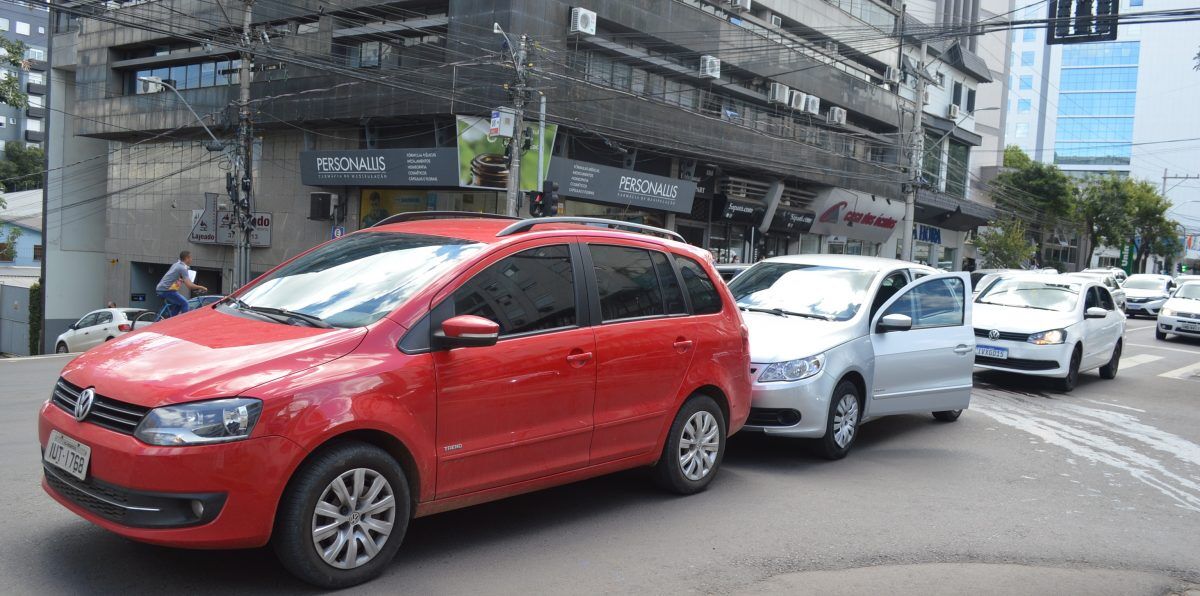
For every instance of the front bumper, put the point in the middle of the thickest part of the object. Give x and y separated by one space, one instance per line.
1026 358
791 408
146 493
1144 308
1175 325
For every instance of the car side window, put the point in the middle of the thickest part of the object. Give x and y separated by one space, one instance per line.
627 283
1092 299
672 292
700 288
533 290
890 286
1106 301
938 303
86 321
103 318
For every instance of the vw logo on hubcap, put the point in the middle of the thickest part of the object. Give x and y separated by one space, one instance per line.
83 407
994 334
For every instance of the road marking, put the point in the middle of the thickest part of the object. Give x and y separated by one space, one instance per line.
1127 329
43 357
1166 348
1136 359
1186 373
1104 403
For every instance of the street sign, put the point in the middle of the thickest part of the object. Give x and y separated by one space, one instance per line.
337 232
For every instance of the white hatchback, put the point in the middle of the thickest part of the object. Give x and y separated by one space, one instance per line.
1181 314
1050 326
838 340
96 328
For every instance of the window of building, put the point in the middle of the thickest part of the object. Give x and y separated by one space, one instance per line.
38 252
33 124
1096 104
41 30
370 54
1103 153
1021 130
700 287
1024 105
956 94
209 73
35 53
1122 78
941 79
1026 58
3 24
931 162
3 123
971 101
3 250
22 28
627 283
1026 82
36 78
33 145
533 290
1133 3
36 101
957 166
1115 53
1094 129
1028 35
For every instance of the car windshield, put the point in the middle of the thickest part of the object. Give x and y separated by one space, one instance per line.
1040 294
806 290
359 279
1145 283
1191 291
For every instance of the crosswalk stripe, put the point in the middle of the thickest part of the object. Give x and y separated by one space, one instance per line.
1132 361
1159 347
1186 373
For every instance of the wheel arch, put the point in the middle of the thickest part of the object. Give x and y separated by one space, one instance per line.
717 394
860 383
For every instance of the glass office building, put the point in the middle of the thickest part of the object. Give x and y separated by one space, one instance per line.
1097 93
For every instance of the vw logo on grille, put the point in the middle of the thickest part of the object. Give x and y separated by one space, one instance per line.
994 334
83 407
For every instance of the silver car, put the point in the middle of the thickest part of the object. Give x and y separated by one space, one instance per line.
838 340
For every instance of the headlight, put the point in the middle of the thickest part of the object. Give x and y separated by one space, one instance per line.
793 370
1046 338
1166 312
215 421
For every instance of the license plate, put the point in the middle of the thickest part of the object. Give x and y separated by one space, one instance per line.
991 352
1190 326
68 454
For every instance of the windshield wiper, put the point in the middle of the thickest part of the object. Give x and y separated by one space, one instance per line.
1017 305
312 320
779 312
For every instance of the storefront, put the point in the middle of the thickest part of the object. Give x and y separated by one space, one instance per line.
734 231
788 233
937 247
855 223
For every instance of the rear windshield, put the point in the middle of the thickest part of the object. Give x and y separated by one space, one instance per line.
359 279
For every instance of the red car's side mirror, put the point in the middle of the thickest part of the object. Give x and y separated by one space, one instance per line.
465 331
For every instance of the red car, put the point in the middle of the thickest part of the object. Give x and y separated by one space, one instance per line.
419 366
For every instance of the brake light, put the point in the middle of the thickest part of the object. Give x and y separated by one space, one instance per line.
125 327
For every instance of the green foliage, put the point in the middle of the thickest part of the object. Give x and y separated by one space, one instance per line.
1004 246
9 252
35 318
21 168
1027 183
13 55
1015 157
1150 224
1103 209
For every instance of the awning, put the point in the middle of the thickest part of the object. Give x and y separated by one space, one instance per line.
944 125
944 211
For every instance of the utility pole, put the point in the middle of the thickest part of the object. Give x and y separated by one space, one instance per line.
914 162
241 183
542 138
1179 178
514 143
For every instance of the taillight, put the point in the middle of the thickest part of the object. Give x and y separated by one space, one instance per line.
125 327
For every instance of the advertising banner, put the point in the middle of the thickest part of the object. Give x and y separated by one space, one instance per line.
380 167
481 160
857 215
615 186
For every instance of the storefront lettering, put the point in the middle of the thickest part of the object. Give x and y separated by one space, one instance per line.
833 215
649 188
352 165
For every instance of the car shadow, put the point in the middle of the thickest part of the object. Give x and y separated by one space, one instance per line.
1030 385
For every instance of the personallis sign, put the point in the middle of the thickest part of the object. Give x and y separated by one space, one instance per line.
857 215
615 186
380 167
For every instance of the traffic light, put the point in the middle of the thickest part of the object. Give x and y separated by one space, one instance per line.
537 204
550 197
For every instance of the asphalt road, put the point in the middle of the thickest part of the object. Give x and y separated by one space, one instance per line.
1031 491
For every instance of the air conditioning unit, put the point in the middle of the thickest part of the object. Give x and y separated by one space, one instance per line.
151 84
891 74
812 104
952 112
776 20
583 21
710 67
779 93
836 115
320 205
740 5
796 101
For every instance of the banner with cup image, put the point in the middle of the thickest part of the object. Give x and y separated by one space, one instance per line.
481 161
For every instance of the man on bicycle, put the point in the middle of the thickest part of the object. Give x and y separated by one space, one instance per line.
168 286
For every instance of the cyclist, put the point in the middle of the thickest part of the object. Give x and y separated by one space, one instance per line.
168 287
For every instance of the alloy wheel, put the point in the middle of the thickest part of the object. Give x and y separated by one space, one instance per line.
353 518
845 420
699 444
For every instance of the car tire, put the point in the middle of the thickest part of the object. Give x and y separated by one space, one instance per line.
61 348
1160 335
1068 383
947 415
694 449
842 422
109 338
298 522
1109 371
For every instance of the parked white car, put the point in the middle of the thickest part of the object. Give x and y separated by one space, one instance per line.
96 328
1116 272
838 340
1050 326
1181 313
1110 282
1146 293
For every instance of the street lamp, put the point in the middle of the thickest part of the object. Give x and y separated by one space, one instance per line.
216 144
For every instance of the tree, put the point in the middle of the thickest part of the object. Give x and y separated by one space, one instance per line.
1151 231
1104 210
12 54
1003 245
1015 157
1025 183
21 168
9 251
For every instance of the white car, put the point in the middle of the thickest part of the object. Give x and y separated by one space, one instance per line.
1110 282
1182 279
1145 293
1181 313
96 328
1116 272
1050 326
837 340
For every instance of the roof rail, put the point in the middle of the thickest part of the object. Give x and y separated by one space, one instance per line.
423 215
526 224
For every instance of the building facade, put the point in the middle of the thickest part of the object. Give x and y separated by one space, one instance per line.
26 22
795 142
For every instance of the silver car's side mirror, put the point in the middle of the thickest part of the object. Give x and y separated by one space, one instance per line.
1095 312
894 322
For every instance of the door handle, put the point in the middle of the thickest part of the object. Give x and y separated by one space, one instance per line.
682 345
579 358
962 349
